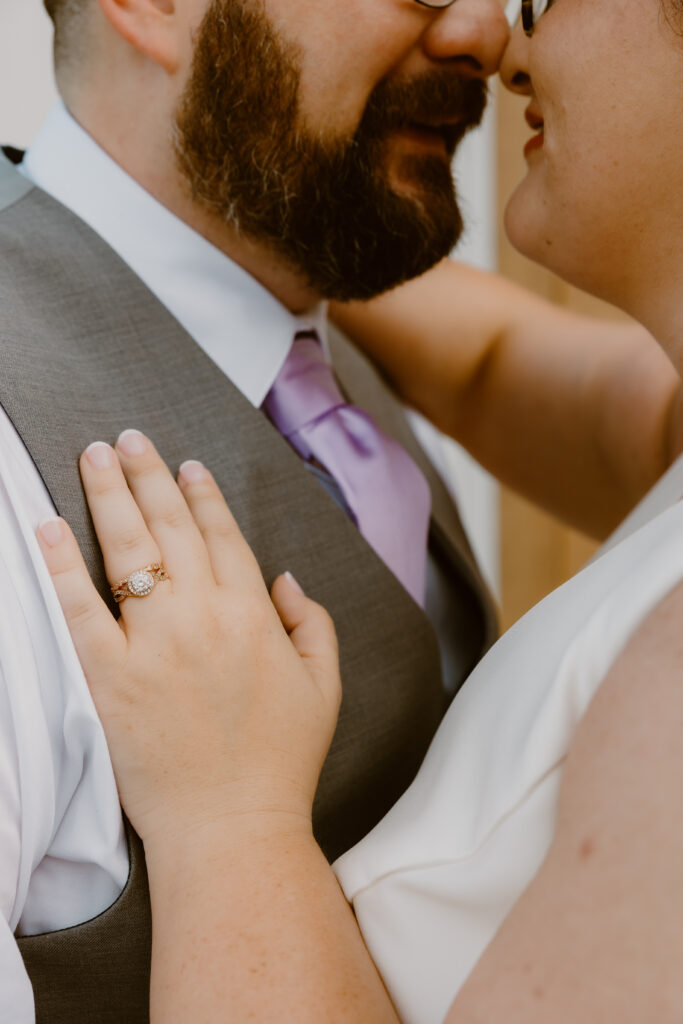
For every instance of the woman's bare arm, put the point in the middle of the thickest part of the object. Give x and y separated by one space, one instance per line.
249 923
576 414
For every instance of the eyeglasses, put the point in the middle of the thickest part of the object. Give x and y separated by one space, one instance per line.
436 5
530 10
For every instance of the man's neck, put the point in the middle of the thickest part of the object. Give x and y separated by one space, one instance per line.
266 267
165 184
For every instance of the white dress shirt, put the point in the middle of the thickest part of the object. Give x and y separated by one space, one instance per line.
62 848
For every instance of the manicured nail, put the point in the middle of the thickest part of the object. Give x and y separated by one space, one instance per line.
52 532
192 471
132 442
100 455
293 583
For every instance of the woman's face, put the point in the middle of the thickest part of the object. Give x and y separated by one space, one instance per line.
602 202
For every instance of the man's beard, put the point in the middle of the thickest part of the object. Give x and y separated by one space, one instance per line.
325 206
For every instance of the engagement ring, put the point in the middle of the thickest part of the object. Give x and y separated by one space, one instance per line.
140 583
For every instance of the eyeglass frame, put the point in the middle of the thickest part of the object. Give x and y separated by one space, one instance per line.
530 11
439 5
529 16
513 10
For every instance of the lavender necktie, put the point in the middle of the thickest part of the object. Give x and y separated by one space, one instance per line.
387 495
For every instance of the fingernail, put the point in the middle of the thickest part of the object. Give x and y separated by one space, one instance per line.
192 471
293 583
100 455
51 531
132 442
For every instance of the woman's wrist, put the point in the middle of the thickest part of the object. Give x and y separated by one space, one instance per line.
239 802
223 836
224 859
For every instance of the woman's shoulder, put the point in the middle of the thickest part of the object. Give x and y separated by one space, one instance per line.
442 870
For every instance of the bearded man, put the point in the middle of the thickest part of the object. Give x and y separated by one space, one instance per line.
215 171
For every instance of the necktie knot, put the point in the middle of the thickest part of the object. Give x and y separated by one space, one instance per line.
305 389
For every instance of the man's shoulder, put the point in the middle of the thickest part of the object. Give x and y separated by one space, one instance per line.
52 264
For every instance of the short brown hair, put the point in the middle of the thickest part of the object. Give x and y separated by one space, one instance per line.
64 14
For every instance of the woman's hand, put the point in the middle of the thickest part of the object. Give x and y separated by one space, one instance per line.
215 701
219 706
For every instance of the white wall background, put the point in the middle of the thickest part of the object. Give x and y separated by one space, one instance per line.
27 90
27 86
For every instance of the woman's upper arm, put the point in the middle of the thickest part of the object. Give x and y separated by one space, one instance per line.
598 933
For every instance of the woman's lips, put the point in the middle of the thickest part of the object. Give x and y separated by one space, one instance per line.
533 118
535 142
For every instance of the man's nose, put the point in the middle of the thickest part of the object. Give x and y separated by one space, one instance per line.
514 66
471 35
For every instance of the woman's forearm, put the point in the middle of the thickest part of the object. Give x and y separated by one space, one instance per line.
249 923
574 413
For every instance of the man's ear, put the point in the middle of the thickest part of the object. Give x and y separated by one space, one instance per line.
150 26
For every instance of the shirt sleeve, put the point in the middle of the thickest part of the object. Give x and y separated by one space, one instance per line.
16 994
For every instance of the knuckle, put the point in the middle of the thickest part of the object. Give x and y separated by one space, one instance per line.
221 529
172 518
105 483
323 618
63 570
128 541
80 612
202 490
255 613
145 466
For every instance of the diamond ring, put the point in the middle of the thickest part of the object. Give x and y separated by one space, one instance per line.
140 583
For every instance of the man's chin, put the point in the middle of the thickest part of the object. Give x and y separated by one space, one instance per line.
417 142
425 178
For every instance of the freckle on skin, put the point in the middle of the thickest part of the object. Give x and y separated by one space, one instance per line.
587 848
537 992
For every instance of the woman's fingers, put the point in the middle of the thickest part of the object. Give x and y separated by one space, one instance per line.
231 558
123 535
312 632
96 635
163 508
140 516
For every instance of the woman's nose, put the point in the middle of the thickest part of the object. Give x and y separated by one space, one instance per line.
514 66
470 33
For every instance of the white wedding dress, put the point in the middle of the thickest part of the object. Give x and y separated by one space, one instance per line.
431 884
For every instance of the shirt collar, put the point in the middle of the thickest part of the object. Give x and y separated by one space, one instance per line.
238 322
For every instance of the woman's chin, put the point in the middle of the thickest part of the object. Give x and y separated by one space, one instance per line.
521 221
559 246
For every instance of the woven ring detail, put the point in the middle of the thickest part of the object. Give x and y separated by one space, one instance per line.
140 583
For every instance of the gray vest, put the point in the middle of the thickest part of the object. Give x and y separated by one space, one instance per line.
86 351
